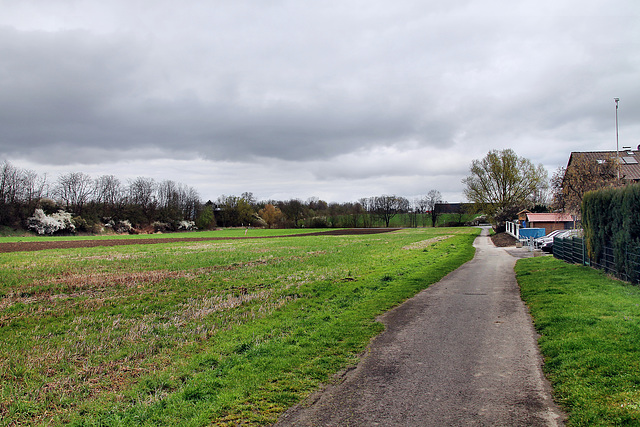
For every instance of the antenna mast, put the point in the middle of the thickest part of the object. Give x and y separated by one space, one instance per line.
617 149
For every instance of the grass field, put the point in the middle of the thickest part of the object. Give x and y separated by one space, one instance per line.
199 333
590 338
424 220
230 232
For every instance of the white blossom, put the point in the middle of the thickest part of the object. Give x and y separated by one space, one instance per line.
187 225
50 224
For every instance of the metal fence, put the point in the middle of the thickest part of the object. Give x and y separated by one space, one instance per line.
573 249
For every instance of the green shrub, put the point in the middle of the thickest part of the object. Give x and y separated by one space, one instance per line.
610 218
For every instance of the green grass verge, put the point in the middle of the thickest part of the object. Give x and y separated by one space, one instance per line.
204 333
590 339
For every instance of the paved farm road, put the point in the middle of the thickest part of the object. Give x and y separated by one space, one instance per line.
461 353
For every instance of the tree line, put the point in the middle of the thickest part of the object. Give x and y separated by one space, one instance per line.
499 185
144 204
93 202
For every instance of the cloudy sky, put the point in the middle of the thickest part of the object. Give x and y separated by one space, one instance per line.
337 99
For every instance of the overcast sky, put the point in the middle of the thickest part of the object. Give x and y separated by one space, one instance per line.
336 99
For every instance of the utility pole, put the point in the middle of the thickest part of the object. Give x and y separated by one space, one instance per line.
617 149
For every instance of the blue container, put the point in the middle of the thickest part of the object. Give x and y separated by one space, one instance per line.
526 233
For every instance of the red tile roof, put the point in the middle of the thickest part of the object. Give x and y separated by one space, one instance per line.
549 217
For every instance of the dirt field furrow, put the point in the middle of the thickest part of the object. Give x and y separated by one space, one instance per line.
60 244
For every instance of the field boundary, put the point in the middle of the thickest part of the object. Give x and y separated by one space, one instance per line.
69 244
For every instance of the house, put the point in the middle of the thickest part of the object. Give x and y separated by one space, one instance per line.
594 170
550 221
628 160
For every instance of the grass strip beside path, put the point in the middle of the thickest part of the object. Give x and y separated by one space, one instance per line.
590 339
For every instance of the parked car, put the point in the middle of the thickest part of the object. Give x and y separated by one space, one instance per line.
544 241
547 245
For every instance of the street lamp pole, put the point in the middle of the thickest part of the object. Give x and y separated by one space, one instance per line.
617 146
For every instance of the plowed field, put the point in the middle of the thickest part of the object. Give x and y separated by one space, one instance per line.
64 244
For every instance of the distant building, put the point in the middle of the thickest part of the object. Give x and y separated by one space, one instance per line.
452 208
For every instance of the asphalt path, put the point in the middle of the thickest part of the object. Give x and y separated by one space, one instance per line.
461 353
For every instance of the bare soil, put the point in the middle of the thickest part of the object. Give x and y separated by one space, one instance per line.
503 240
66 244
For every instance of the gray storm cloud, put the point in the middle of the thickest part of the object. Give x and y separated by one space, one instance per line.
93 82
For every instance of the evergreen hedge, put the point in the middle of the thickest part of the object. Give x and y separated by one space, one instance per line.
611 217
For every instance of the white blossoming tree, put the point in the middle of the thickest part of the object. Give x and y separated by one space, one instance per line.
187 225
42 223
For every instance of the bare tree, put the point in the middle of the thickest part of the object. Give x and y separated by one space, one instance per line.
9 183
190 203
427 204
367 207
20 189
142 191
142 197
74 190
568 186
386 207
10 188
169 200
422 206
432 199
414 212
33 186
109 193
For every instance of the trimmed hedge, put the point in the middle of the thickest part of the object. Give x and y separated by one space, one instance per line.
611 217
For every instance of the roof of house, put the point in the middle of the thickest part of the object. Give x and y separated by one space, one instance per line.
629 161
549 217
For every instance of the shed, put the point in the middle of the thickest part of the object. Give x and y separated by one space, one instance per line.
550 221
522 215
